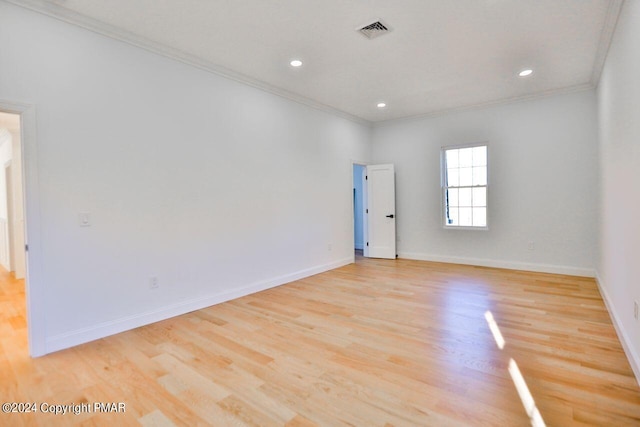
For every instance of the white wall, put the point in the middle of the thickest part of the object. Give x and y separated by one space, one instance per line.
542 173
358 208
215 187
619 121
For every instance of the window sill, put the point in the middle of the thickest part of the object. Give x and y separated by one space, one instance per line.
458 227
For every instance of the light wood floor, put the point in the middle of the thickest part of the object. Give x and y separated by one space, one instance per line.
376 343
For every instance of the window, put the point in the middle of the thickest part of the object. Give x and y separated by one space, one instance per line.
464 186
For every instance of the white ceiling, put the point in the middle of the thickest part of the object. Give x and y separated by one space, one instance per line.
441 54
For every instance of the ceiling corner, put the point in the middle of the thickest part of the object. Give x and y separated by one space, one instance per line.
606 36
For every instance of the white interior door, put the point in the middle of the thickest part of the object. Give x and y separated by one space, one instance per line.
381 205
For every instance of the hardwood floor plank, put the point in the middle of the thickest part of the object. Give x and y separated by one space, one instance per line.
156 419
375 343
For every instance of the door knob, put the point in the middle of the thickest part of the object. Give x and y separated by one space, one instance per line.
390 216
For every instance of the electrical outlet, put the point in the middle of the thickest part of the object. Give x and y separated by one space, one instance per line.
635 310
531 246
153 282
329 247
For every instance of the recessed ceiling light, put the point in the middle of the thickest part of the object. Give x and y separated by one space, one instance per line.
525 73
296 63
381 105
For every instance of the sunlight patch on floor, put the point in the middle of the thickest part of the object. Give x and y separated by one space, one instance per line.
497 335
525 395
518 380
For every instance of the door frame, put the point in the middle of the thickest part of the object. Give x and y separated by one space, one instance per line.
34 283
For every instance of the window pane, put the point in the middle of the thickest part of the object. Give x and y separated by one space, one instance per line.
453 177
452 158
466 157
464 216
480 156
465 197
452 197
479 217
480 196
466 177
466 180
480 175
453 216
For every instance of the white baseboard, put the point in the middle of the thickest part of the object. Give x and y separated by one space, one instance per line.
101 330
511 265
629 351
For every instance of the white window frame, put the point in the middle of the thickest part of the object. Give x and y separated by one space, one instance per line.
443 192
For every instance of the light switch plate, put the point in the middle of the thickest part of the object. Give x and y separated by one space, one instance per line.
84 219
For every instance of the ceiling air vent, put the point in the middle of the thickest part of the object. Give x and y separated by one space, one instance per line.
375 29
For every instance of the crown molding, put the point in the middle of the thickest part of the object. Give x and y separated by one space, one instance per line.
606 36
71 17
498 102
61 13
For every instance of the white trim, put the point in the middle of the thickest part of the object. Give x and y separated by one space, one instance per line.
465 227
632 356
74 18
444 187
34 282
495 263
104 329
465 145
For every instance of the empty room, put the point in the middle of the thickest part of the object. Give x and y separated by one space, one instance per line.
319 213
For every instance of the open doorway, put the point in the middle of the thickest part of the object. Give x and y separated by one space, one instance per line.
19 120
374 211
13 316
12 241
359 209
